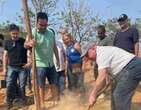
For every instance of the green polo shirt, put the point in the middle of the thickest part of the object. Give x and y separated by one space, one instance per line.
44 48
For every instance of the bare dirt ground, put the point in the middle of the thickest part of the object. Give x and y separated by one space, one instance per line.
73 102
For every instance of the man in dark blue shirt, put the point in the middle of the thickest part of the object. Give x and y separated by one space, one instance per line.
14 63
128 37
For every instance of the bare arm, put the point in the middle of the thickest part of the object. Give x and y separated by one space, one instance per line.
136 48
99 85
5 62
26 43
78 47
29 60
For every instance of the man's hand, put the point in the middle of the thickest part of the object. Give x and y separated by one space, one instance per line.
92 99
27 65
30 43
58 64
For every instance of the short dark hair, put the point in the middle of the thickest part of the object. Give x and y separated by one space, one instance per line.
102 27
42 15
13 27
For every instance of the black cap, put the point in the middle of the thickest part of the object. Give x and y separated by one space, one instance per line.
122 17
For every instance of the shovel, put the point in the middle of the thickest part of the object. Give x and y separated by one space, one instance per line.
103 90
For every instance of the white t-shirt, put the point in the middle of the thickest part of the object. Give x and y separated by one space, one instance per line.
64 46
113 58
61 53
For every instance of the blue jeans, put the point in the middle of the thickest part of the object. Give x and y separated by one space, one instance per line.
15 83
126 82
76 81
48 72
61 82
28 72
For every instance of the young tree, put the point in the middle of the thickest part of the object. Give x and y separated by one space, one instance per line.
35 6
79 19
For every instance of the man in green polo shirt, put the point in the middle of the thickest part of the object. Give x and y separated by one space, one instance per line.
45 46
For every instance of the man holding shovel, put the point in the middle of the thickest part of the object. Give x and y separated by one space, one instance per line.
123 67
45 46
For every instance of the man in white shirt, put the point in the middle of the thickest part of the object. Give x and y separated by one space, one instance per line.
60 70
125 69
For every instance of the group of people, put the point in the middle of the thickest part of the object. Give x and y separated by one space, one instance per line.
58 61
119 62
54 61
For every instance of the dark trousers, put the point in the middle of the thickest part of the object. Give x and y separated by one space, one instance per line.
125 84
15 83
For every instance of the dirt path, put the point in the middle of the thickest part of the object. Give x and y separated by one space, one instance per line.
73 102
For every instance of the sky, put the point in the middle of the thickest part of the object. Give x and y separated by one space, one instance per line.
113 8
104 8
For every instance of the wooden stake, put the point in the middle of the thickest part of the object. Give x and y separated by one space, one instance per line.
28 28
